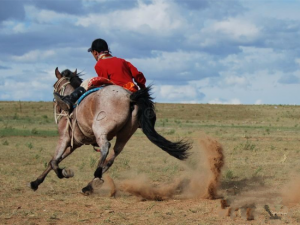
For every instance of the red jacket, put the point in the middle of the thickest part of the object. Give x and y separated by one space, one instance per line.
120 72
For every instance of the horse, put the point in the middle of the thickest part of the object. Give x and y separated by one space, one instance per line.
109 112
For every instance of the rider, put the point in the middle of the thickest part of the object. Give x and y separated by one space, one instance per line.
118 71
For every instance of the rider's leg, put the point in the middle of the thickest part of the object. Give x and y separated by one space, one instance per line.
66 102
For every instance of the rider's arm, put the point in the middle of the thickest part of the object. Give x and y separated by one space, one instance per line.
138 76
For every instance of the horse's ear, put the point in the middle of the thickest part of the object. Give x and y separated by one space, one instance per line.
57 73
75 72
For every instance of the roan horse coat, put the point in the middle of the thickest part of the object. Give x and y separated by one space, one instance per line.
107 113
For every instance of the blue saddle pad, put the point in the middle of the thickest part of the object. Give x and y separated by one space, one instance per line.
86 94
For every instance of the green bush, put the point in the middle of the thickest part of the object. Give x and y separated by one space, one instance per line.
29 145
229 174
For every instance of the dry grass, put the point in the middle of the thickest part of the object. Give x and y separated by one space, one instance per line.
261 147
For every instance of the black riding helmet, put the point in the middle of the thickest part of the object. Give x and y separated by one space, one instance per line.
99 45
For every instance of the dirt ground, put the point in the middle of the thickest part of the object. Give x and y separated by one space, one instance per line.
246 155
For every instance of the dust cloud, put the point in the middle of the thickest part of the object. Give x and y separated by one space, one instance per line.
290 192
200 178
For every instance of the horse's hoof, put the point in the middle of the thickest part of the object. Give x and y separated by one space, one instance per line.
33 185
67 173
87 190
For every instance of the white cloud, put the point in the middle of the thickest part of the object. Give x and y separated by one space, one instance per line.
254 58
178 65
19 28
173 93
214 32
263 89
21 91
236 28
258 102
45 16
101 1
30 86
12 27
236 81
283 10
234 101
34 56
176 93
157 17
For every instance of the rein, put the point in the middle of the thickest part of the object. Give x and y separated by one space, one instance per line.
61 91
58 116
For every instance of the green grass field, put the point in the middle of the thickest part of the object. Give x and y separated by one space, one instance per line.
261 146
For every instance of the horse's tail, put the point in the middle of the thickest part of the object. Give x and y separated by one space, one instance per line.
147 118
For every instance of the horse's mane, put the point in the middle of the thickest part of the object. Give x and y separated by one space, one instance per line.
74 78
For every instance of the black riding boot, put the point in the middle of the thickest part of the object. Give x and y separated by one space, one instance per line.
66 102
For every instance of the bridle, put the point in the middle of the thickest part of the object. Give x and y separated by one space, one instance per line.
61 89
58 88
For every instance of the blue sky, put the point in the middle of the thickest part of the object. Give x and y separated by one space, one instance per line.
192 51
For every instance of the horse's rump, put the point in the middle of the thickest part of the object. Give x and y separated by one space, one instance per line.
107 109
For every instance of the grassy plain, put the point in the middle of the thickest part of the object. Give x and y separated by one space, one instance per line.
261 146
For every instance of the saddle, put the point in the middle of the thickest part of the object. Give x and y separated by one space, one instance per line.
94 85
97 83
86 94
100 81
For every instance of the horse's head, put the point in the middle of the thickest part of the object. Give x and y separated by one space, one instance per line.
67 81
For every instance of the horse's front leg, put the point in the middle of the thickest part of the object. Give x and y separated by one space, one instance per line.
104 145
62 151
34 185
62 173
63 146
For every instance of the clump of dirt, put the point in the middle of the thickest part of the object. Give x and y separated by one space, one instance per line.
224 204
200 180
249 214
245 211
254 203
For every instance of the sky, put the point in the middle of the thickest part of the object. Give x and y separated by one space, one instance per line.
191 51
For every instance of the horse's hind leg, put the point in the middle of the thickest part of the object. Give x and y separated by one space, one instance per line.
105 164
122 138
121 141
